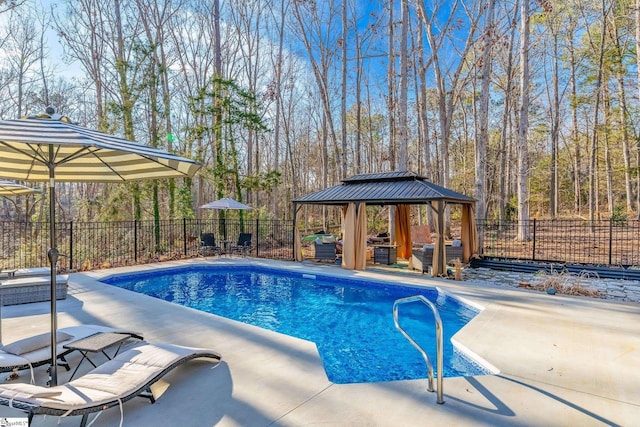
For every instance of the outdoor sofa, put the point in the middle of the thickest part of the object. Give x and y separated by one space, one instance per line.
23 290
129 374
422 259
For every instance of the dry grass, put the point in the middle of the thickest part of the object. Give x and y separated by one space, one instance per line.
564 283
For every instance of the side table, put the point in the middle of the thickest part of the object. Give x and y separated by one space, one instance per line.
96 343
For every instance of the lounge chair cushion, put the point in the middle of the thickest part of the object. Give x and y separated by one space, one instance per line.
34 343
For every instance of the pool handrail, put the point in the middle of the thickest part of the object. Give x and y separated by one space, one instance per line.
439 341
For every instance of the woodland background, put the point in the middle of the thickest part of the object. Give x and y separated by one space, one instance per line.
528 106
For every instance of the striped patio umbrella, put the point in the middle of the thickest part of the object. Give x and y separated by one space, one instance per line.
49 148
10 188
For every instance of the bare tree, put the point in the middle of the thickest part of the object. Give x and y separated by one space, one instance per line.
316 23
447 84
22 44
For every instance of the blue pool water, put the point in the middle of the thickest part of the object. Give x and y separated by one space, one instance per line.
351 321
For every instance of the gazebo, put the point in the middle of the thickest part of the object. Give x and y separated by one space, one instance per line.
399 188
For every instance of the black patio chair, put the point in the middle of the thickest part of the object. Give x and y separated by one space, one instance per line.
208 245
243 245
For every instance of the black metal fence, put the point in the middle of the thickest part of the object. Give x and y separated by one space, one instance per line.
610 242
94 245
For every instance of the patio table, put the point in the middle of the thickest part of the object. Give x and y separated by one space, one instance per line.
96 343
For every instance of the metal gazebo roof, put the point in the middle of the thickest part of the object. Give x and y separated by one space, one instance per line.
388 188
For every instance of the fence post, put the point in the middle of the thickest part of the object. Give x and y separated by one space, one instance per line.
184 235
70 245
257 237
135 241
533 256
293 240
610 241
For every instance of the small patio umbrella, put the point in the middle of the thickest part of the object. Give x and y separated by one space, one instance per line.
10 188
48 147
226 203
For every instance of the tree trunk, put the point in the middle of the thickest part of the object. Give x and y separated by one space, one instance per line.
523 128
482 141
596 117
403 137
555 129
577 162
624 114
391 84
343 103
637 10
505 145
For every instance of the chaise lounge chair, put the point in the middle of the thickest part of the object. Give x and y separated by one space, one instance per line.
129 374
35 351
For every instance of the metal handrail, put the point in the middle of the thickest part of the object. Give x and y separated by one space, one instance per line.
439 341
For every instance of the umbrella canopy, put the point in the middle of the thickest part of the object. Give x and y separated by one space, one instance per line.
226 203
10 188
48 147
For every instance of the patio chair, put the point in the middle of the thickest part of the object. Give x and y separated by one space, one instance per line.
34 351
243 245
208 245
422 259
325 251
131 373
380 239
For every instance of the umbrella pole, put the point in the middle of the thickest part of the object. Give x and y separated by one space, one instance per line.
52 254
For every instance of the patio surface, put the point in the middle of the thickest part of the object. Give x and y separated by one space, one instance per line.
562 361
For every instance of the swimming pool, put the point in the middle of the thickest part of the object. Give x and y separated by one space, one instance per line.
350 320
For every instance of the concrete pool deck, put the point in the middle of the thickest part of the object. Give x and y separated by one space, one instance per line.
563 361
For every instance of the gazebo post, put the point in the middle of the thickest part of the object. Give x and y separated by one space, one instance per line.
297 247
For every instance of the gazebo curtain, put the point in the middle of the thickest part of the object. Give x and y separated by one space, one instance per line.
354 236
469 233
439 255
403 231
297 242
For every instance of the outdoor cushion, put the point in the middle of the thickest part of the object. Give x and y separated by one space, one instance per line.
36 342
